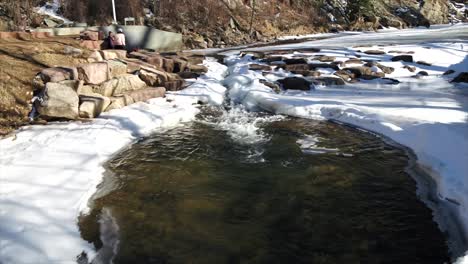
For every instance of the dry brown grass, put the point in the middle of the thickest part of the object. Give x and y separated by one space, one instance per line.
20 61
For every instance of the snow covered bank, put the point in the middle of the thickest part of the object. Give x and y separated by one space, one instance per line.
427 114
48 173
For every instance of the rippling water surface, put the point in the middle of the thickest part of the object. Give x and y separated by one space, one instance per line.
238 187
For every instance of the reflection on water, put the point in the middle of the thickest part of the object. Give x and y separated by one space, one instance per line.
195 195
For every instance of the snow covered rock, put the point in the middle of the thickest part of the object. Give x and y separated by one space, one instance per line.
94 73
60 101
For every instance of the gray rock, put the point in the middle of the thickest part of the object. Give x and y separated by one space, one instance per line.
60 101
93 105
295 83
120 85
405 58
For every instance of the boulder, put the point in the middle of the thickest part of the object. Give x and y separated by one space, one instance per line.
328 81
462 77
174 85
423 73
295 67
359 71
188 75
89 35
58 74
116 68
315 66
448 72
385 69
201 69
92 44
151 78
168 65
295 83
120 85
114 54
179 65
374 52
93 73
424 63
118 102
345 75
405 58
146 94
74 84
326 58
95 57
295 61
351 61
60 101
156 61
259 67
307 73
92 105
271 59
196 59
275 87
409 68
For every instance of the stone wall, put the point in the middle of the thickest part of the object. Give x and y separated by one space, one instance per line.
137 36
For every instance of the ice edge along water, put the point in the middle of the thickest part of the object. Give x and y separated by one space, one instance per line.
48 173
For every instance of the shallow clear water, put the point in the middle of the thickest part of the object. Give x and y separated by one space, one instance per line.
272 190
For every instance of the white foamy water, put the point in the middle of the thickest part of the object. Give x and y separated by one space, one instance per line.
245 127
309 146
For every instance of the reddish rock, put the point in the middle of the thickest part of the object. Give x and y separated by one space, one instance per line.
91 44
146 94
94 73
113 54
58 74
168 65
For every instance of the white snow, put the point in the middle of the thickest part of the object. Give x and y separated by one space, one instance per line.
52 9
48 173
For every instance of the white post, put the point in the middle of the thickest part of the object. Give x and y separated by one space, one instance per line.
113 10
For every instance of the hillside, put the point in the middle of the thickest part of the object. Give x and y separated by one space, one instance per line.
214 23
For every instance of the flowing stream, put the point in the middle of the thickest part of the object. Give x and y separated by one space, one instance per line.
242 187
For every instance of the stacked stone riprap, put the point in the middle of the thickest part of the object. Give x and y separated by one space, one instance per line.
111 80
